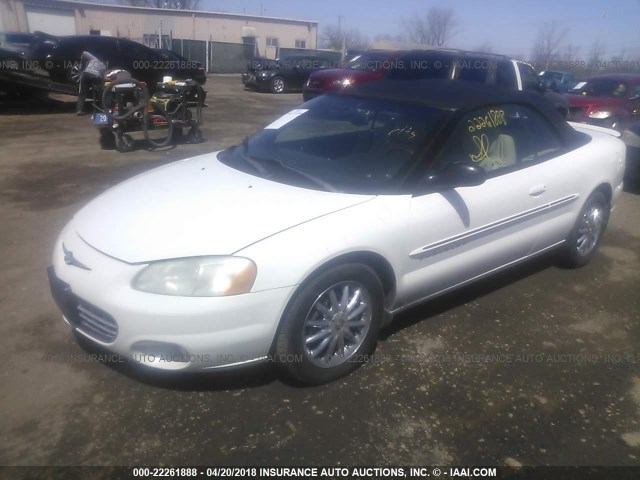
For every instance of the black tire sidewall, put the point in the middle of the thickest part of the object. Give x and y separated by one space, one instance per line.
290 340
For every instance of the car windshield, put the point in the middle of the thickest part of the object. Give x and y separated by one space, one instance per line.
263 64
602 87
370 62
338 143
552 76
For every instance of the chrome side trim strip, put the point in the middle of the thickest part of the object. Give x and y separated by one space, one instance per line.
465 237
477 277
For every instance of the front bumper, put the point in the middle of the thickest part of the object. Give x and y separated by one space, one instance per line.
160 331
255 81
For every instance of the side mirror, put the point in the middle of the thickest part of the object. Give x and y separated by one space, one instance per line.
457 174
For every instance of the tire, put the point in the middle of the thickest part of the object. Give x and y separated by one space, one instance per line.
586 235
124 143
278 85
338 303
159 129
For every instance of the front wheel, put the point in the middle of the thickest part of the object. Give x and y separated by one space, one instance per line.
158 129
583 241
331 325
278 85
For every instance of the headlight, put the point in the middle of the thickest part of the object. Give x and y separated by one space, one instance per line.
600 114
198 277
343 83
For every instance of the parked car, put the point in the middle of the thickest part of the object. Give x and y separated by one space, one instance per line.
53 62
611 101
475 67
366 67
560 82
285 74
194 69
298 245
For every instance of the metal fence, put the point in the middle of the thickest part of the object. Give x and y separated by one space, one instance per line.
195 50
223 57
229 57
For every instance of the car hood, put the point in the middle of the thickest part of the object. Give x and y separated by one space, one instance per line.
195 207
589 101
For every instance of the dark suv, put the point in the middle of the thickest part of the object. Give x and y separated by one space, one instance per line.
476 67
284 74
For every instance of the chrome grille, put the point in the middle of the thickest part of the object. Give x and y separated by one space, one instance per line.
96 323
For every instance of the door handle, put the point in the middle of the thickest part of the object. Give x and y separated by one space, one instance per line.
537 190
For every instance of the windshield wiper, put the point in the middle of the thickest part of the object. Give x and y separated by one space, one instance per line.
318 181
250 161
258 165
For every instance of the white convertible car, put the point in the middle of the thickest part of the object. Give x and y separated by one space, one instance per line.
300 244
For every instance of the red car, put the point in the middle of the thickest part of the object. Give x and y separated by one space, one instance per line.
611 101
363 68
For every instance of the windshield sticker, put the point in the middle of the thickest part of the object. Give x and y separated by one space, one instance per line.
494 118
286 118
482 142
579 85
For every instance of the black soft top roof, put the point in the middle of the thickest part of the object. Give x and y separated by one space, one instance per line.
460 96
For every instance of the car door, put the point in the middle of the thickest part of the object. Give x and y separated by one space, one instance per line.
303 70
460 233
292 72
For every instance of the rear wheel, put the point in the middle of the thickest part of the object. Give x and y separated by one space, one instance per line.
331 324
278 85
583 241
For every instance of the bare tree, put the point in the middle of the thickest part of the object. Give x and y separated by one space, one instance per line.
570 53
434 28
174 4
547 46
332 37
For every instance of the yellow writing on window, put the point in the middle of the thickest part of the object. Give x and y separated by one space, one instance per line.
482 142
493 118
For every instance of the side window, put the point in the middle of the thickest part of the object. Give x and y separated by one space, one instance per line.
530 80
506 75
500 138
135 52
472 69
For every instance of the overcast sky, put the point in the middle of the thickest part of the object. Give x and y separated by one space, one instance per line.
510 26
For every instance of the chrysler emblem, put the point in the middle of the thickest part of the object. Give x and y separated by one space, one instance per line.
69 259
